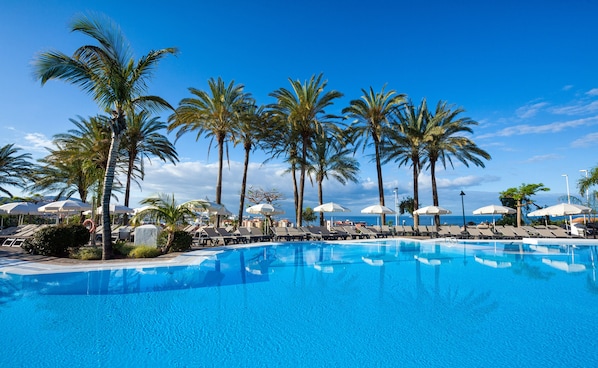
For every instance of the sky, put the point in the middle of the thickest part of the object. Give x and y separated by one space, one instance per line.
525 71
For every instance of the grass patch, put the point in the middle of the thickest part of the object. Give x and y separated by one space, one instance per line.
144 251
88 254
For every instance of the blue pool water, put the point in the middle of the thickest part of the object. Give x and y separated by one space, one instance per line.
384 303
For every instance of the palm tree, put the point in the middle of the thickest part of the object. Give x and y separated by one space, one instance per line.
213 113
14 168
331 158
372 115
302 108
250 120
141 141
164 209
405 141
114 79
446 143
522 195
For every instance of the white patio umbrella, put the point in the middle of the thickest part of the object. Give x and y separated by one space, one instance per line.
19 208
377 209
494 210
261 209
561 209
331 207
67 206
432 210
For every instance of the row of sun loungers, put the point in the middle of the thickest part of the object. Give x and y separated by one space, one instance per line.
15 236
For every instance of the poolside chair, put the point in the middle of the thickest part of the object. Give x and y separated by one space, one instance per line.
214 237
352 232
559 232
228 235
245 235
257 232
340 233
280 233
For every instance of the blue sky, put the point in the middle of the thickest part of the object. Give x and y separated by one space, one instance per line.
526 72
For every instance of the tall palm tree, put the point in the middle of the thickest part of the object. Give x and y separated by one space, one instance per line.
14 168
143 140
446 142
303 108
213 113
405 141
251 119
164 209
372 114
116 81
331 158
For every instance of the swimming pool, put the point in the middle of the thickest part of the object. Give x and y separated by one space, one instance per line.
380 303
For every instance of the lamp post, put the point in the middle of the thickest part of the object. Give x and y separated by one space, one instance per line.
396 193
463 210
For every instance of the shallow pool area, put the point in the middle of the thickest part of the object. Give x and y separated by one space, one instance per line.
386 303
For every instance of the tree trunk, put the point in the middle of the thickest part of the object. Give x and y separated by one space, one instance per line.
302 182
380 182
295 191
415 195
168 245
219 178
243 186
321 200
434 190
518 213
107 193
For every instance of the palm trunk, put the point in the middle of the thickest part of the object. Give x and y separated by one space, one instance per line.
243 185
169 241
321 199
415 194
128 185
219 178
295 191
434 190
302 182
380 182
107 193
518 213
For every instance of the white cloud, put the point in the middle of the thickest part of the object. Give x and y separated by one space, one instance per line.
579 108
567 87
541 158
592 92
589 140
37 142
529 111
555 127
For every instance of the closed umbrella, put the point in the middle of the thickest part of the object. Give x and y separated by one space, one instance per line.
331 207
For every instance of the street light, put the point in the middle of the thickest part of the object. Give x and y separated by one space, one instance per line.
463 210
396 192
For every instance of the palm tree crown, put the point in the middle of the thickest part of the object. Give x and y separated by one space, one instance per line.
14 168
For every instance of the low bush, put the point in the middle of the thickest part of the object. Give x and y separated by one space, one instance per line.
181 243
57 241
122 249
145 251
88 254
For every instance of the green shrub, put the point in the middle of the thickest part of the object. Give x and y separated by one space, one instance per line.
122 249
181 243
88 254
145 251
57 241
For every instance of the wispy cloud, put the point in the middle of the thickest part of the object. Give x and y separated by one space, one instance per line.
567 87
589 140
555 127
530 110
541 158
36 142
579 108
592 92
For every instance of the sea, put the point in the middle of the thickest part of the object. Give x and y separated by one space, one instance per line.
408 220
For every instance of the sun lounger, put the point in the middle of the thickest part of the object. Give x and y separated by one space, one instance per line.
280 233
214 237
297 233
257 232
351 232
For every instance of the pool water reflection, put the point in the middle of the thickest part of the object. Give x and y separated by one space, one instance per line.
375 303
